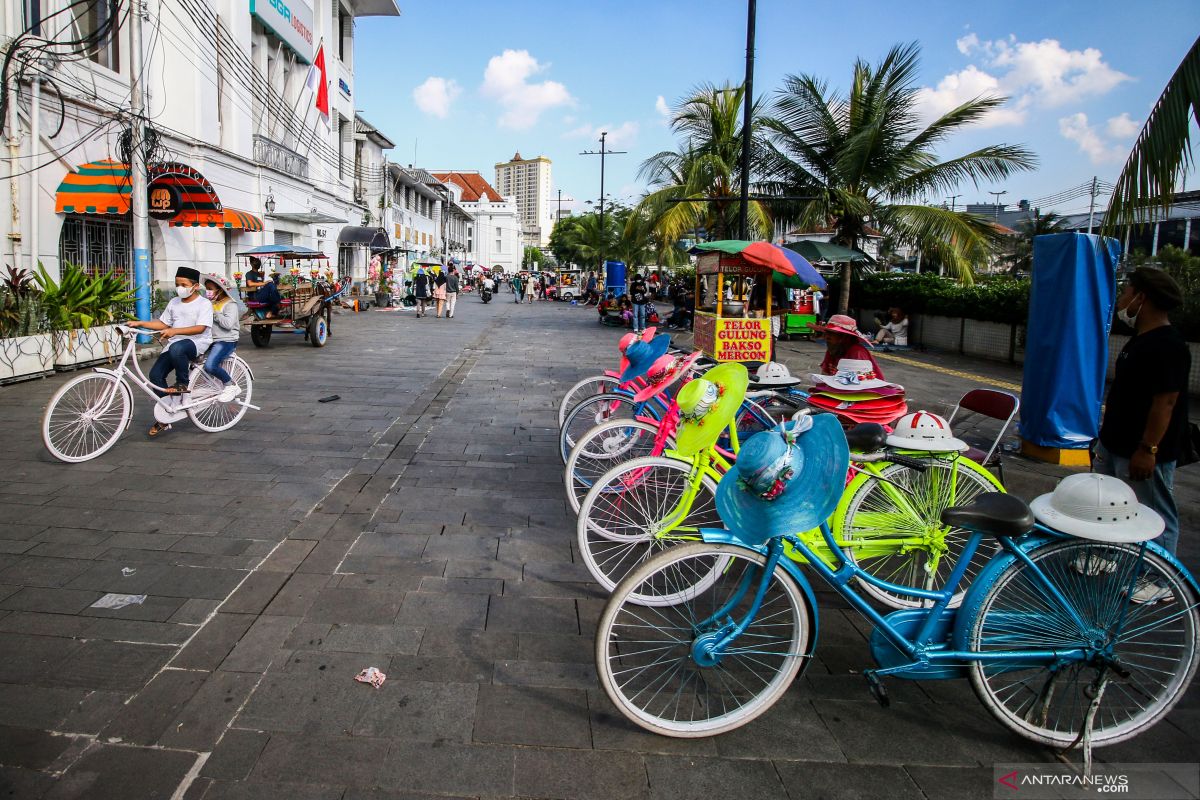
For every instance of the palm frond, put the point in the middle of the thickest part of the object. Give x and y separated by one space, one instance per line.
987 164
1162 151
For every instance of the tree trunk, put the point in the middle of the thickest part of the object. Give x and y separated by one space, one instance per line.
844 300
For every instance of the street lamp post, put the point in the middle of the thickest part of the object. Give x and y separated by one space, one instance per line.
747 120
996 196
602 152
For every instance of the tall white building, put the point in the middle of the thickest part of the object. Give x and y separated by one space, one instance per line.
528 182
242 156
494 232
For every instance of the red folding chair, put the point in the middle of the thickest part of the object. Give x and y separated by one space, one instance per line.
981 408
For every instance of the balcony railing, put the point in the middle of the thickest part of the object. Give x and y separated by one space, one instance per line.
271 153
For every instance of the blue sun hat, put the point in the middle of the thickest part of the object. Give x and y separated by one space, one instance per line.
642 355
786 480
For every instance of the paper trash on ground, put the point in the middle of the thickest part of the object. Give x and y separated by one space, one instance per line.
115 601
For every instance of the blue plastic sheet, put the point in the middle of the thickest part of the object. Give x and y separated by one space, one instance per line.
1066 342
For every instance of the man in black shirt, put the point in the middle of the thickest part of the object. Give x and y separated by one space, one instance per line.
261 289
1146 413
639 296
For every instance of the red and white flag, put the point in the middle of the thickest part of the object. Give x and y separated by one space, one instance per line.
318 83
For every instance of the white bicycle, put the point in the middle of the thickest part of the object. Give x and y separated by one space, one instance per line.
89 413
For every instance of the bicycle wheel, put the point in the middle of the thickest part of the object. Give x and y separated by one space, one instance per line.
594 411
907 505
604 447
1144 655
217 416
86 417
653 662
638 508
593 385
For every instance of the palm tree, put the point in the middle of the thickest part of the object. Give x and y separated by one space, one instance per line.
865 158
585 241
1163 150
1021 257
706 170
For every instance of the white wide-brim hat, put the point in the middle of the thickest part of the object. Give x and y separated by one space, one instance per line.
846 378
1097 507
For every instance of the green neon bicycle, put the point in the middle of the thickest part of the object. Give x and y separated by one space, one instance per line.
888 521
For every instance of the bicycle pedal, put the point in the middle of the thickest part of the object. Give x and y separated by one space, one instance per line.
878 690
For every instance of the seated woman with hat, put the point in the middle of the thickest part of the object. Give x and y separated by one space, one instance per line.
843 340
185 327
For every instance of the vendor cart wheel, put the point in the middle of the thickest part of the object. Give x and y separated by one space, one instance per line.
260 335
318 331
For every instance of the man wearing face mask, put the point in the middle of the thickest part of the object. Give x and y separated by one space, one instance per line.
185 329
1146 413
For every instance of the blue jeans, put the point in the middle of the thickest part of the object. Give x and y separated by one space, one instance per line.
217 354
639 316
1157 491
177 357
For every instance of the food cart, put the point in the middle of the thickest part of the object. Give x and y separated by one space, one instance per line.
728 329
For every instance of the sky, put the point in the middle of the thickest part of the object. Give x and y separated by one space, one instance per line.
466 85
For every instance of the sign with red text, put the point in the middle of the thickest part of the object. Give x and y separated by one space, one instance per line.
733 339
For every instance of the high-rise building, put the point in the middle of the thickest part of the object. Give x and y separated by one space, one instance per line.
528 180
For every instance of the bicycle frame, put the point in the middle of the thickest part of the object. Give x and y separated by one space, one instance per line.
930 649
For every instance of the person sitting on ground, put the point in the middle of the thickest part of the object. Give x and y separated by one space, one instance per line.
685 305
626 307
260 289
185 329
225 331
606 305
843 340
895 329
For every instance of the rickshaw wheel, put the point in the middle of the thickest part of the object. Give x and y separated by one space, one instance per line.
260 335
318 331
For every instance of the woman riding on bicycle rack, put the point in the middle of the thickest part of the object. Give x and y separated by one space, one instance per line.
185 328
227 312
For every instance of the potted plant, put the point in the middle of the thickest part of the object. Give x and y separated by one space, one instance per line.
379 276
26 345
82 311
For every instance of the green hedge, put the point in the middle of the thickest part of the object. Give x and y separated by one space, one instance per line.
991 299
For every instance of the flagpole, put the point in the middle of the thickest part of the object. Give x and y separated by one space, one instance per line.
311 66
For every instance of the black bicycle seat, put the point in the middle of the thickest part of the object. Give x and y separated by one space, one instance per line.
866 437
993 513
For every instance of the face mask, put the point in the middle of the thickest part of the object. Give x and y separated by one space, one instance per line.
184 292
1127 318
210 294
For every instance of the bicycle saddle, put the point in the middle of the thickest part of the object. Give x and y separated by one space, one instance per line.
866 437
994 513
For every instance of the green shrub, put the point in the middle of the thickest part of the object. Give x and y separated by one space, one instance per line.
990 298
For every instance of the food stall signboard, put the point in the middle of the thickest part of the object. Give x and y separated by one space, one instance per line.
733 338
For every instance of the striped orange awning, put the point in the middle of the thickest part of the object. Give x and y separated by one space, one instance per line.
99 187
231 218
197 198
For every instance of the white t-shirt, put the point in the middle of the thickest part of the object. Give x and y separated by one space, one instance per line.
899 331
184 315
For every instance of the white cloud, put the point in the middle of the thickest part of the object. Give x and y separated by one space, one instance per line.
969 84
660 105
435 96
506 80
1041 74
619 135
967 43
1123 127
1090 141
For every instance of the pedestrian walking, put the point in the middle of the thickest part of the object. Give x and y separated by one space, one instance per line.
451 292
421 290
639 296
518 288
439 290
531 288
1145 421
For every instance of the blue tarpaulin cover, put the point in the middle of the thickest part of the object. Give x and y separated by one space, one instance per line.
1066 343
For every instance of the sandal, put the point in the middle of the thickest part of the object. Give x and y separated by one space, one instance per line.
159 427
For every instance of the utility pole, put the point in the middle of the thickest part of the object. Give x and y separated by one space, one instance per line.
747 121
1092 204
996 197
14 153
139 201
952 198
602 152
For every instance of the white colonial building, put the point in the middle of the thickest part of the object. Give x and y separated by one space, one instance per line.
494 234
241 155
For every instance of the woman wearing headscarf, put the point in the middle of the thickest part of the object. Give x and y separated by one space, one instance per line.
421 290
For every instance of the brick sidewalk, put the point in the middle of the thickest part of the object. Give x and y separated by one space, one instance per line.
417 525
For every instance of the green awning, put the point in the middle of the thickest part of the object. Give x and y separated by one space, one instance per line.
826 251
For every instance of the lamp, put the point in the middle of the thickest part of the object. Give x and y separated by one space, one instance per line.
269 203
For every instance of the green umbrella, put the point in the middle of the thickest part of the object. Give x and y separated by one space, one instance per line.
826 251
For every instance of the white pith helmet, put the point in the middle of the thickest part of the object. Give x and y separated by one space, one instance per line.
773 372
922 430
1098 507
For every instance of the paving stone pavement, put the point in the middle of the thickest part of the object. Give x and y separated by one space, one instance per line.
416 525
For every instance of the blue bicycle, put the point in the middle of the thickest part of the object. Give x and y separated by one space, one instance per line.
1056 634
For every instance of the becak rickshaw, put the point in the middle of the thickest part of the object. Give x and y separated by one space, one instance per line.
300 298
